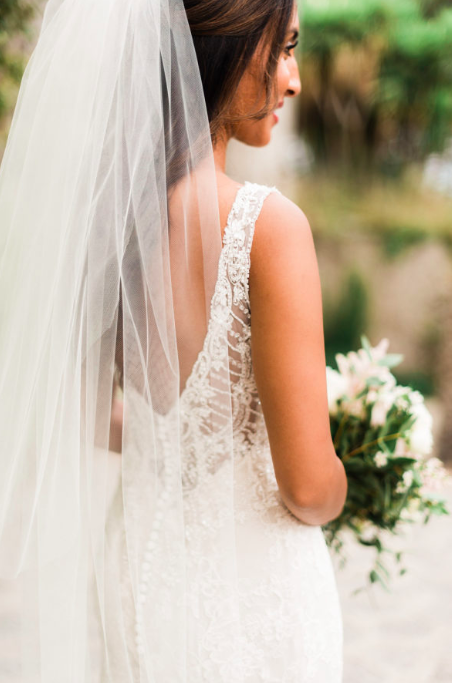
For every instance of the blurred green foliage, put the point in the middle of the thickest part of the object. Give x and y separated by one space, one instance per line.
399 215
346 318
329 24
15 18
378 77
396 240
418 380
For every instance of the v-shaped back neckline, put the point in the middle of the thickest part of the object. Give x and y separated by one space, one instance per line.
242 190
224 238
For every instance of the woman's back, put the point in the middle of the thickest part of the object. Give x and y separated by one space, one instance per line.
285 590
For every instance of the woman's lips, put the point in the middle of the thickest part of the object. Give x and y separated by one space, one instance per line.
275 115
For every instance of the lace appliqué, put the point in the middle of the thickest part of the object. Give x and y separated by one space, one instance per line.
250 597
226 354
291 627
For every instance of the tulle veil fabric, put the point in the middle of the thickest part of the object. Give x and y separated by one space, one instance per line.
109 248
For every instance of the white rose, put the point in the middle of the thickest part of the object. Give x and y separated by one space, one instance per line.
407 478
433 475
342 363
372 396
336 388
416 397
421 441
380 409
412 512
401 401
381 459
354 407
420 435
378 415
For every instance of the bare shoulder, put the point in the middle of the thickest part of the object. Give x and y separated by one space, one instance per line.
282 238
281 209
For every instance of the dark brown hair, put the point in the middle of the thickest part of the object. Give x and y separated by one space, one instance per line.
226 34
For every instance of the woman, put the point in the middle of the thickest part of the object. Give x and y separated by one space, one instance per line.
198 555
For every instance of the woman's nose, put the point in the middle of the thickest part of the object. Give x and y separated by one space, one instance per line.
294 86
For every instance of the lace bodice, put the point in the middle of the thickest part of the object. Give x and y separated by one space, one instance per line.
230 315
290 613
258 593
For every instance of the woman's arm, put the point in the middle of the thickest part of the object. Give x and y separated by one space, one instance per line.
289 362
116 420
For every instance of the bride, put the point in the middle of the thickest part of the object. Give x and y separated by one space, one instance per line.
166 452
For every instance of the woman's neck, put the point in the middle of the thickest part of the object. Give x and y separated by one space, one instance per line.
219 152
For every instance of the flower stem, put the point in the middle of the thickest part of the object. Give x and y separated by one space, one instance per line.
337 436
388 437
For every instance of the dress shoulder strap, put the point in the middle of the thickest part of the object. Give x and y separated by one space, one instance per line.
239 233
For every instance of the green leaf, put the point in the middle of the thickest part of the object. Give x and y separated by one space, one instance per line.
378 545
358 590
367 543
365 343
402 460
372 381
387 494
408 423
373 576
366 346
391 360
383 569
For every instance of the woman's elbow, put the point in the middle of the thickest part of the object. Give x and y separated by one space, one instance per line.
318 499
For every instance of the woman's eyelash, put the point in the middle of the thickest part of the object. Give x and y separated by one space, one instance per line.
290 47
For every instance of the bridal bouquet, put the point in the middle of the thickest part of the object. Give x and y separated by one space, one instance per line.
382 433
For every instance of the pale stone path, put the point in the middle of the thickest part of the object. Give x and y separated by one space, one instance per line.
404 636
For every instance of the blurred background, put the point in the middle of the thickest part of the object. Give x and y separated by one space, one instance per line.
366 152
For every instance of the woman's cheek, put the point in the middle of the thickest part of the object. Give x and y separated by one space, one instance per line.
283 77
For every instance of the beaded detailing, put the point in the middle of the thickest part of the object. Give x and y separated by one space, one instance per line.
146 565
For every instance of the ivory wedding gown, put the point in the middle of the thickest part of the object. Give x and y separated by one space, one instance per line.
291 624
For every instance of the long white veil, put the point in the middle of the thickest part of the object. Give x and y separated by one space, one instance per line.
109 246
